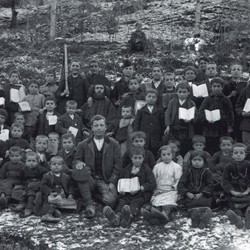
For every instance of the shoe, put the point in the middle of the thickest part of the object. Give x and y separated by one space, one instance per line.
147 216
49 218
235 219
90 211
205 216
125 216
193 213
18 208
247 221
163 217
110 215
3 201
57 214
26 213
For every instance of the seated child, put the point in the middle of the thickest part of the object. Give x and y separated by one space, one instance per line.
236 184
175 145
10 175
130 203
54 141
50 87
167 174
138 139
55 192
196 187
199 143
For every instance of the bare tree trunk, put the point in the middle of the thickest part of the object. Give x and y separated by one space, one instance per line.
13 23
197 18
53 20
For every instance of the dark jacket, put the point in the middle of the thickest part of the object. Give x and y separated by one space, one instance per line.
68 157
120 88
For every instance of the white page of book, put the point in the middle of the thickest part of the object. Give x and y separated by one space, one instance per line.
53 120
212 116
186 114
247 106
4 134
21 93
200 90
127 185
2 101
73 130
14 95
24 106
139 104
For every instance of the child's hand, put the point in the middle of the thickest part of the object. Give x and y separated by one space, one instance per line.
236 194
86 133
122 193
80 165
41 110
187 121
142 189
167 130
118 103
190 195
232 94
69 131
229 129
112 188
198 196
7 154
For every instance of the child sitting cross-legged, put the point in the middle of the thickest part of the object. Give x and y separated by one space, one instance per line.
55 192
196 187
131 201
167 174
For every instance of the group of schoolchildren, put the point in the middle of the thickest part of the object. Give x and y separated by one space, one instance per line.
192 162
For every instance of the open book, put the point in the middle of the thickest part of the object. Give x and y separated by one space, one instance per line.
17 95
247 106
186 114
200 90
127 185
24 106
213 115
2 101
139 104
4 134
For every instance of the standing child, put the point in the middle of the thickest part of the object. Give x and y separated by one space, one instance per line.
196 187
150 120
50 87
167 174
130 203
170 92
236 184
3 118
213 129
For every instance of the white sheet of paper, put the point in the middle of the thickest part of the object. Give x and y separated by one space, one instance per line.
24 106
247 106
14 95
186 114
2 101
139 104
200 90
128 185
21 92
52 119
4 134
213 115
73 130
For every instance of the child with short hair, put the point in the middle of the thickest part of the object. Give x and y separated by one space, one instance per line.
190 74
55 192
50 87
47 119
10 175
196 188
3 118
201 74
198 143
175 145
36 103
150 120
138 139
167 174
19 117
54 141
70 122
181 129
213 130
41 148
236 184
130 203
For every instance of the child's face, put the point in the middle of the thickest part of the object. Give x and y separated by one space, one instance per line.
133 85
54 139
99 89
137 160
128 71
202 65
197 162
33 88
94 68
236 71
216 88
166 155
50 105
239 154
14 78
174 147
226 146
182 94
151 98
211 70
31 161
75 68
56 166
16 132
20 119
2 119
156 73
198 146
15 157
41 145
126 112
71 109
67 144
49 78
169 80
189 75
139 142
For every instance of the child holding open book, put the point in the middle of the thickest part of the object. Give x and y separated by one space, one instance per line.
135 188
216 115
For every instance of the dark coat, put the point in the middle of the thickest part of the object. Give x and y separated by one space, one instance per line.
120 88
68 157
111 160
152 124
